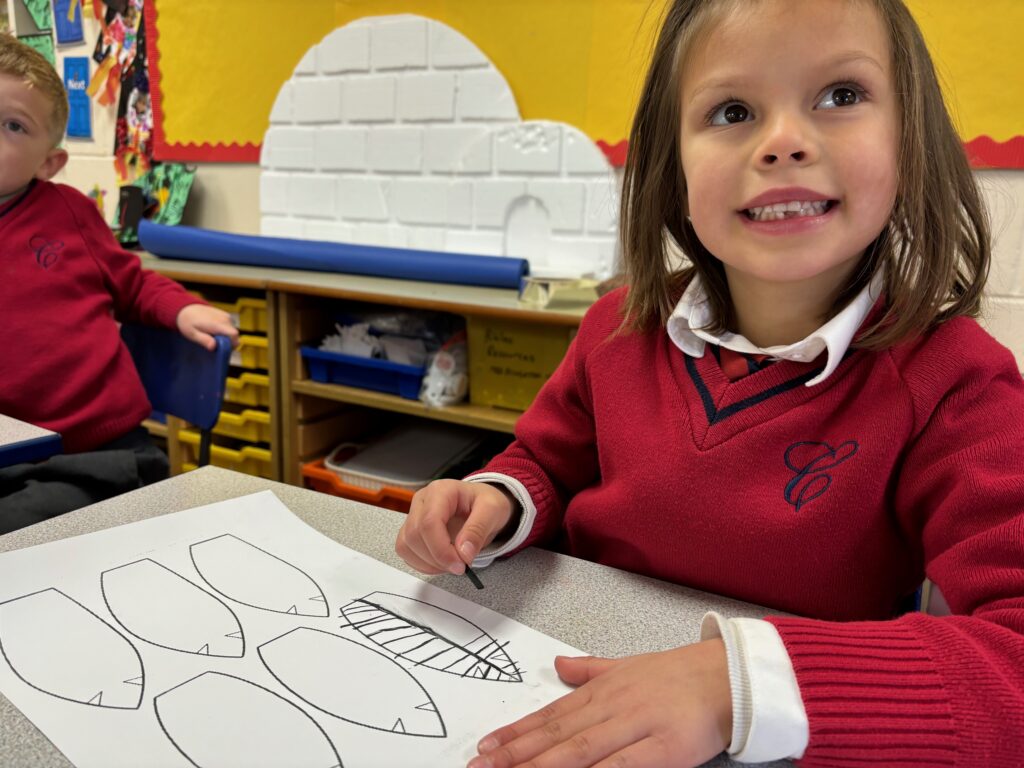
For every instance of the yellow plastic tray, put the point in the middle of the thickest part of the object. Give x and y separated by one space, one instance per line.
252 352
247 425
249 459
248 314
248 389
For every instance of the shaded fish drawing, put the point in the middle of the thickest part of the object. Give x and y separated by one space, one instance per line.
432 637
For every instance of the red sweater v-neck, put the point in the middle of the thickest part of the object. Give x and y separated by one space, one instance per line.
831 502
63 280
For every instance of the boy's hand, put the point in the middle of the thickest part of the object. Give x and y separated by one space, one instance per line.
201 322
449 522
668 708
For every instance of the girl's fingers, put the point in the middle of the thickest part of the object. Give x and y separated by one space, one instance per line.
415 561
649 752
432 529
574 740
577 670
543 719
424 541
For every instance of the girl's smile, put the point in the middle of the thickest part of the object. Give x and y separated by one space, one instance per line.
787 210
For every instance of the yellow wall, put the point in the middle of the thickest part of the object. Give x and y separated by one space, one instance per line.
576 61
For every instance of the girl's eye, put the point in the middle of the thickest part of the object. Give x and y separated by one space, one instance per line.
14 126
729 113
840 96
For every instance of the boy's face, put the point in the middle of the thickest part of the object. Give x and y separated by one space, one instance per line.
791 102
26 141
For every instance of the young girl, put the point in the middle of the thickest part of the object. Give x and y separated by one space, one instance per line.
806 418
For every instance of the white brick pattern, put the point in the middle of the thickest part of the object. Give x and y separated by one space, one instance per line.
1003 313
398 131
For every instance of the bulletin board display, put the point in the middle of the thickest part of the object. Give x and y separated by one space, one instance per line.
216 66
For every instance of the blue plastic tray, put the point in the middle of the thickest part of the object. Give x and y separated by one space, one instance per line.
364 372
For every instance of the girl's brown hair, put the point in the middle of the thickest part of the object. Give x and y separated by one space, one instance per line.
934 251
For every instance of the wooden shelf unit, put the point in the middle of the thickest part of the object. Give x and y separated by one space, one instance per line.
310 417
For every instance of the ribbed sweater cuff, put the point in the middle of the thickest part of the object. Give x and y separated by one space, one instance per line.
872 694
541 493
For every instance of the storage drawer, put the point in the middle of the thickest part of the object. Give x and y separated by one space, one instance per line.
250 425
249 459
252 352
248 315
248 389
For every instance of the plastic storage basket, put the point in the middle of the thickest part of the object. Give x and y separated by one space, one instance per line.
319 478
364 372
408 457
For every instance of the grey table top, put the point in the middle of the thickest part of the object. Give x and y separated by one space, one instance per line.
20 441
600 610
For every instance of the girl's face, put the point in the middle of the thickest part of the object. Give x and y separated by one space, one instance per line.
789 140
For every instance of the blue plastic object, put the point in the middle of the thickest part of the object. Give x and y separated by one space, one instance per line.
406 264
364 372
33 449
181 378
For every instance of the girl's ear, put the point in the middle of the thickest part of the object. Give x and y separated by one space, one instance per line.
55 160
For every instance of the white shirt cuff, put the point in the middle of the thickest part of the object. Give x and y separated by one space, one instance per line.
527 514
768 717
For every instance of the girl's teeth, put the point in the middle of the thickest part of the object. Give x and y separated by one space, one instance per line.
790 210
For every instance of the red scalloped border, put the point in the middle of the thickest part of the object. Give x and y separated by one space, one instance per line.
153 71
986 152
616 153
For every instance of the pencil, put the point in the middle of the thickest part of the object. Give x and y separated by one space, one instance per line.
474 578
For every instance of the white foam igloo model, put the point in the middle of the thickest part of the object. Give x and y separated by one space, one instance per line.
397 131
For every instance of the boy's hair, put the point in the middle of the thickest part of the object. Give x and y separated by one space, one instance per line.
935 250
20 60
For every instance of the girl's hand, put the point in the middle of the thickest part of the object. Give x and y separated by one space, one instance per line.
200 322
672 708
449 522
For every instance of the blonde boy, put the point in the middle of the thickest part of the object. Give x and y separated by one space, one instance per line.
64 285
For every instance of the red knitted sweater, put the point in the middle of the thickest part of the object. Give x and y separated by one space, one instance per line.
832 502
63 281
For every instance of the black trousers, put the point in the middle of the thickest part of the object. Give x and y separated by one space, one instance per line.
30 493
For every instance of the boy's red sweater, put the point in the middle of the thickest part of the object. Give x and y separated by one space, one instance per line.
832 502
63 281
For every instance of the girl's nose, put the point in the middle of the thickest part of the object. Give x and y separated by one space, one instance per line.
786 141
797 156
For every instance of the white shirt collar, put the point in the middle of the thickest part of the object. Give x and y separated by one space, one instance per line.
693 311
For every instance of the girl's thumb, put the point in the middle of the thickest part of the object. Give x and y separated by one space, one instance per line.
477 532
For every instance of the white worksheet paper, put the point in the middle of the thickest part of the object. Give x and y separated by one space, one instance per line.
235 634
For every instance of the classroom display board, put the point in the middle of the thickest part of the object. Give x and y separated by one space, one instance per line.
217 66
234 634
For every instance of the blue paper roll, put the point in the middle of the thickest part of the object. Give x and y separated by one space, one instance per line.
197 244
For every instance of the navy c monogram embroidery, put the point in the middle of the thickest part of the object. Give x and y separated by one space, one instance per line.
46 250
810 460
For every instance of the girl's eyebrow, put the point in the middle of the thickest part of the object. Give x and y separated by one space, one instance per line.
840 60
